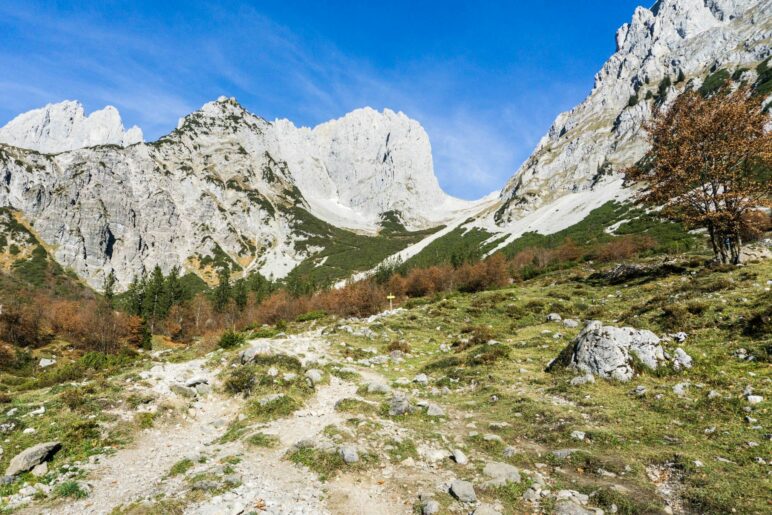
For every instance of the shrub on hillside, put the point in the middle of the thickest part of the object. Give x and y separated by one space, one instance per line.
230 339
624 247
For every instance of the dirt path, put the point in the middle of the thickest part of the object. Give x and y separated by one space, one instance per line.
268 482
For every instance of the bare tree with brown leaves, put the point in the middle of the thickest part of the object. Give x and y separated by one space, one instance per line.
709 165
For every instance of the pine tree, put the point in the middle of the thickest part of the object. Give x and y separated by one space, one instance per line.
109 288
173 290
240 294
135 296
222 293
154 292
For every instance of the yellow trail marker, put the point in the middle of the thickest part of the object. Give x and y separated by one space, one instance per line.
391 298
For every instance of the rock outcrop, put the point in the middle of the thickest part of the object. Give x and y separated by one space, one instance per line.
609 352
674 45
31 457
226 185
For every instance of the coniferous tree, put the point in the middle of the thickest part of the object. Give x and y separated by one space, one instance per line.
222 293
154 292
109 288
240 294
135 296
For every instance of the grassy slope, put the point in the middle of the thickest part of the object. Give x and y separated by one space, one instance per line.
626 433
345 252
507 383
590 231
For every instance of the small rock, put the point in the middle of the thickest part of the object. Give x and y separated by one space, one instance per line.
486 509
570 323
563 453
500 474
434 410
554 317
378 388
40 470
580 380
183 391
349 453
680 389
29 431
680 336
682 359
578 435
399 405
492 438
314 376
713 394
430 507
640 390
421 379
459 457
754 399
463 491
46 362
190 383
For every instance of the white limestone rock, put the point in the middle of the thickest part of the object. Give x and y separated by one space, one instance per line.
65 126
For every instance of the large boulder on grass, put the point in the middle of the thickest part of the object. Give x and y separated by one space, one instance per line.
31 457
611 352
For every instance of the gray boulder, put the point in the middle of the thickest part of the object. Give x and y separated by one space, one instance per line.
554 317
31 457
463 491
183 391
608 351
349 453
500 474
314 376
681 359
374 387
399 405
433 410
459 457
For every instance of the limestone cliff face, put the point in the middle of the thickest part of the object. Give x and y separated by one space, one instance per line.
662 51
65 126
226 184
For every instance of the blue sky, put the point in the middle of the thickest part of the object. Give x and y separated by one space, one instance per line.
484 78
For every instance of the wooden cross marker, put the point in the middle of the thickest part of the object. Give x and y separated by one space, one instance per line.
391 298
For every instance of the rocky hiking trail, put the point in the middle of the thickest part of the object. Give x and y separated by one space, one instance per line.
269 483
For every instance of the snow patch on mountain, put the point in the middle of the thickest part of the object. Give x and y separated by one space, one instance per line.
64 126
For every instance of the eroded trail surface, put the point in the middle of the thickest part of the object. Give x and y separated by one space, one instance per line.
248 479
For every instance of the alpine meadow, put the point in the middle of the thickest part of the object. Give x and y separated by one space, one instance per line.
211 312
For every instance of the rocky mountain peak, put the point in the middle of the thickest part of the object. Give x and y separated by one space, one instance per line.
663 50
65 126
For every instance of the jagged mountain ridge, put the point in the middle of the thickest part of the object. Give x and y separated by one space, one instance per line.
228 183
65 126
674 45
220 189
